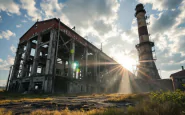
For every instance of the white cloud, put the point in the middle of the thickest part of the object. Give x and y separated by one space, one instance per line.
97 17
13 49
5 64
18 26
32 11
7 34
162 4
131 36
3 82
9 6
94 12
24 21
52 8
10 60
0 18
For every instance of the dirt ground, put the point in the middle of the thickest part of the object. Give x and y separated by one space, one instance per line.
60 103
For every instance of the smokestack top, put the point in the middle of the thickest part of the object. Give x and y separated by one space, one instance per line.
139 8
182 67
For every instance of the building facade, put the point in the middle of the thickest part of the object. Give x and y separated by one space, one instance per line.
52 57
178 80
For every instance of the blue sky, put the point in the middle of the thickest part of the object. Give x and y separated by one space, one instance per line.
110 22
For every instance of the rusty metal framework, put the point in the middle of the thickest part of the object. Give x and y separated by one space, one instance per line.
51 57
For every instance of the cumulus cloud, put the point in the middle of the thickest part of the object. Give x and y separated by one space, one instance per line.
18 25
92 14
52 8
7 34
162 4
10 6
165 21
95 16
102 27
32 11
5 64
13 49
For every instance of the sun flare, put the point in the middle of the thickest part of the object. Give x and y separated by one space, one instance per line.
126 61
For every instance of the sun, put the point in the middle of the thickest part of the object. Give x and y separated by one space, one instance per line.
126 61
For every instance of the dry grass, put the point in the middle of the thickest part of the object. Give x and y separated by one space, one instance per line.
24 100
110 111
6 97
5 112
127 97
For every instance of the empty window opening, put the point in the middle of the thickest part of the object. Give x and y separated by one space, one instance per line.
46 37
23 55
39 70
40 54
38 86
32 52
59 61
45 46
24 48
58 71
34 41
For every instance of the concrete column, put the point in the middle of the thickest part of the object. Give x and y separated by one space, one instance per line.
7 84
35 62
36 56
51 54
98 60
28 70
64 66
86 63
43 67
95 66
50 62
71 59
15 69
25 66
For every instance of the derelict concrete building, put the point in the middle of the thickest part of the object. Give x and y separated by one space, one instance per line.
52 57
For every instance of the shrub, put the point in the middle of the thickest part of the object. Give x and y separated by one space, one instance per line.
177 97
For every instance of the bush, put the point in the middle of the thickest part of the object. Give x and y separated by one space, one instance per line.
160 103
177 97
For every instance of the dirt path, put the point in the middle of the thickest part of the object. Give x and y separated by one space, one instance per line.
61 103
